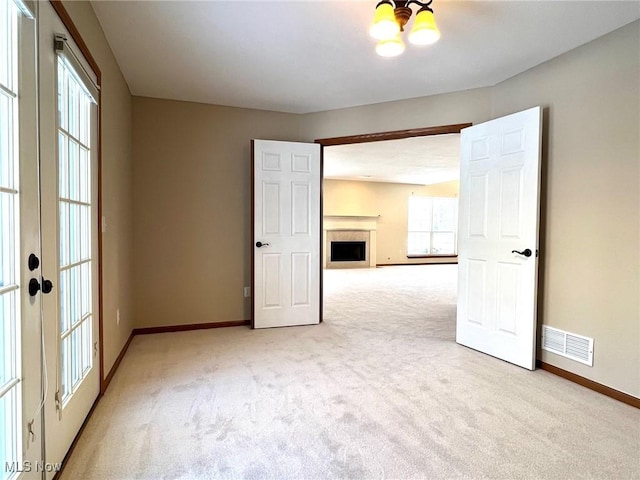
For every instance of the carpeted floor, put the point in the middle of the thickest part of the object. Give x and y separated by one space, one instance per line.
380 390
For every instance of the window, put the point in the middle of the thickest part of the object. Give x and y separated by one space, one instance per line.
432 226
10 356
75 198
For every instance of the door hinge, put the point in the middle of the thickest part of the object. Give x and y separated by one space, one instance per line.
95 348
32 436
58 403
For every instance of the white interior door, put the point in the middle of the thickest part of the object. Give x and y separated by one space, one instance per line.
498 237
20 313
68 142
286 234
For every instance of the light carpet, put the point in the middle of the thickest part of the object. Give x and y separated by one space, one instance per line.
379 390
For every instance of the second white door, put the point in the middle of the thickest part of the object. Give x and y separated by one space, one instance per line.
286 233
498 237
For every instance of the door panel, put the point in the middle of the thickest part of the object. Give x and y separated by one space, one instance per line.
68 142
499 212
286 241
20 319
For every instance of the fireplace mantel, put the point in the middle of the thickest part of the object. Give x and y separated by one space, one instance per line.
351 222
352 216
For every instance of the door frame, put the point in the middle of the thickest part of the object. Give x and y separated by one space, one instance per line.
64 16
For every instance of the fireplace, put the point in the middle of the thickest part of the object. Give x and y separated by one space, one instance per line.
348 248
348 251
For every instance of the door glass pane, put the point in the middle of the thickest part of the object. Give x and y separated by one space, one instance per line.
63 292
10 366
86 289
76 347
8 44
64 366
6 141
63 165
8 337
84 172
8 224
63 226
76 292
75 228
9 433
85 233
74 184
75 198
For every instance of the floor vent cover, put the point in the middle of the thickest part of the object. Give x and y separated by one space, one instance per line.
570 345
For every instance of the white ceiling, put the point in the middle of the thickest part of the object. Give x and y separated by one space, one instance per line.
306 56
417 160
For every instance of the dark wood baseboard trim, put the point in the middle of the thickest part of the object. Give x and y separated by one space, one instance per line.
414 263
191 326
590 384
77 438
107 380
171 328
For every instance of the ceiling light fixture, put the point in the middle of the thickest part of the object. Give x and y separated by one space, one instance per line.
389 20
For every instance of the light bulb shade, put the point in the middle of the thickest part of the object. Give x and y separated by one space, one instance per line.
390 47
385 25
424 31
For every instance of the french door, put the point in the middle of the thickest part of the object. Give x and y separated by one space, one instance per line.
68 144
20 309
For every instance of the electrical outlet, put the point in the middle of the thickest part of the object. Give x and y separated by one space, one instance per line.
118 316
247 292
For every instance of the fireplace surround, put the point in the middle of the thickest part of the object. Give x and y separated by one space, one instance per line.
354 237
347 248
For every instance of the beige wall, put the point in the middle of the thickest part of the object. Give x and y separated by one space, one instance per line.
116 185
470 106
388 200
590 253
191 179
192 208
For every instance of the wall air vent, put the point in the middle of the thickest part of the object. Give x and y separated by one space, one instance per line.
570 345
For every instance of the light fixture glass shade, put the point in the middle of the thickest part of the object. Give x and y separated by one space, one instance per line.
385 25
424 31
390 47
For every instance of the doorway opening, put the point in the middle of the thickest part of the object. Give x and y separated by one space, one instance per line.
368 184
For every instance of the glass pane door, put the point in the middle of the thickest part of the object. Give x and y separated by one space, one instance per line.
69 171
20 319
10 386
